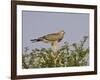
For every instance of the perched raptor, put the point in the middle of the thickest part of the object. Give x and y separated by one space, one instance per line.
52 38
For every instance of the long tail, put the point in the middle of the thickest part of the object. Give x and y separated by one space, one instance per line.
36 40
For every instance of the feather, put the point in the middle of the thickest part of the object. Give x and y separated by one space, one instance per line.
35 40
53 38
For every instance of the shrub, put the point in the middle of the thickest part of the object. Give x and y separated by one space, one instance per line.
67 56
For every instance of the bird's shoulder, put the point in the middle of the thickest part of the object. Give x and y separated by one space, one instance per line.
52 36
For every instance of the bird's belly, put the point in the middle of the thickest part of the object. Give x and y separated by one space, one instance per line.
53 38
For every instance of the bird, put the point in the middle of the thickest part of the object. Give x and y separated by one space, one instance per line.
53 38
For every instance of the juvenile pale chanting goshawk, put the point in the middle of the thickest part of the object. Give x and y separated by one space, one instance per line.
52 38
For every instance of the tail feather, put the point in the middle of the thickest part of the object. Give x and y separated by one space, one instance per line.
35 40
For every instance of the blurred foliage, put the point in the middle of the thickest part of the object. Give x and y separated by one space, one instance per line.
67 56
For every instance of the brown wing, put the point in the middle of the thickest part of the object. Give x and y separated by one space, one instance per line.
52 37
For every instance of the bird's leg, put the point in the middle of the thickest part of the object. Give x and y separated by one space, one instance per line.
54 45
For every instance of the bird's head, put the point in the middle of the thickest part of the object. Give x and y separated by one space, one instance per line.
62 32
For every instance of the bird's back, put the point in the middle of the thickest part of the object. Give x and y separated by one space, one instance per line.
53 37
